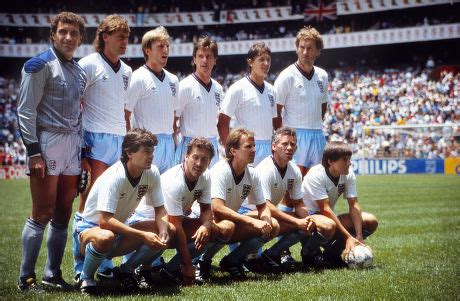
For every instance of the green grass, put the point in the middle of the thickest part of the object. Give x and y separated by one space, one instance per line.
416 250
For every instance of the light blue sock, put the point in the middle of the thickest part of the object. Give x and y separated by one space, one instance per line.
92 261
56 239
283 243
157 262
77 257
32 236
143 255
311 244
212 250
247 247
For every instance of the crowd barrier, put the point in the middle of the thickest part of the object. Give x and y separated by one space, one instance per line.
406 166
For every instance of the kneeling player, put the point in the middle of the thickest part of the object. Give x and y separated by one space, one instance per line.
113 198
322 187
182 185
282 179
233 181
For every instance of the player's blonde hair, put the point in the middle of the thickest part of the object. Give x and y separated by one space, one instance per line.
158 34
201 143
109 25
309 33
334 151
233 140
133 141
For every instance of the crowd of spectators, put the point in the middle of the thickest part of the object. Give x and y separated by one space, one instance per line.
358 99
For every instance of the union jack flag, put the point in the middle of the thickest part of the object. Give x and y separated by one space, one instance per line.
320 12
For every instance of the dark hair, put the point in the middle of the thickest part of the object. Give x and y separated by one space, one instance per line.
256 50
201 143
233 140
133 141
283 131
69 18
203 43
335 151
109 25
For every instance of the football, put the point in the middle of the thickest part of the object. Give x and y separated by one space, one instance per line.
359 258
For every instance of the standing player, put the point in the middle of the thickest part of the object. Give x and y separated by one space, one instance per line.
281 180
153 96
199 99
322 187
251 100
49 117
103 108
232 181
182 185
102 232
301 89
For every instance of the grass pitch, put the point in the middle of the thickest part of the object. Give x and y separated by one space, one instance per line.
415 250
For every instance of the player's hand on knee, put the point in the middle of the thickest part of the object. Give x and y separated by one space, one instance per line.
310 225
201 237
37 166
164 237
264 227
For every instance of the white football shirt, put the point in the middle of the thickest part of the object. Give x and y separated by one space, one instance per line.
274 185
152 99
252 106
302 97
105 95
198 107
318 186
113 192
233 194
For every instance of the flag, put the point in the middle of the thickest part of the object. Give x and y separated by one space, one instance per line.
321 11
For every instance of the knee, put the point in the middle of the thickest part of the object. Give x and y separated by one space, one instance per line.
275 228
104 242
371 223
327 228
226 229
43 215
172 231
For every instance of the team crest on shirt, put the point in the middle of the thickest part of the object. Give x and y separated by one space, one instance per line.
197 194
320 86
141 191
52 164
229 190
198 98
341 189
271 99
105 77
173 88
217 96
246 189
290 184
125 82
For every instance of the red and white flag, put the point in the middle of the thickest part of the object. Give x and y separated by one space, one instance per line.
320 12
